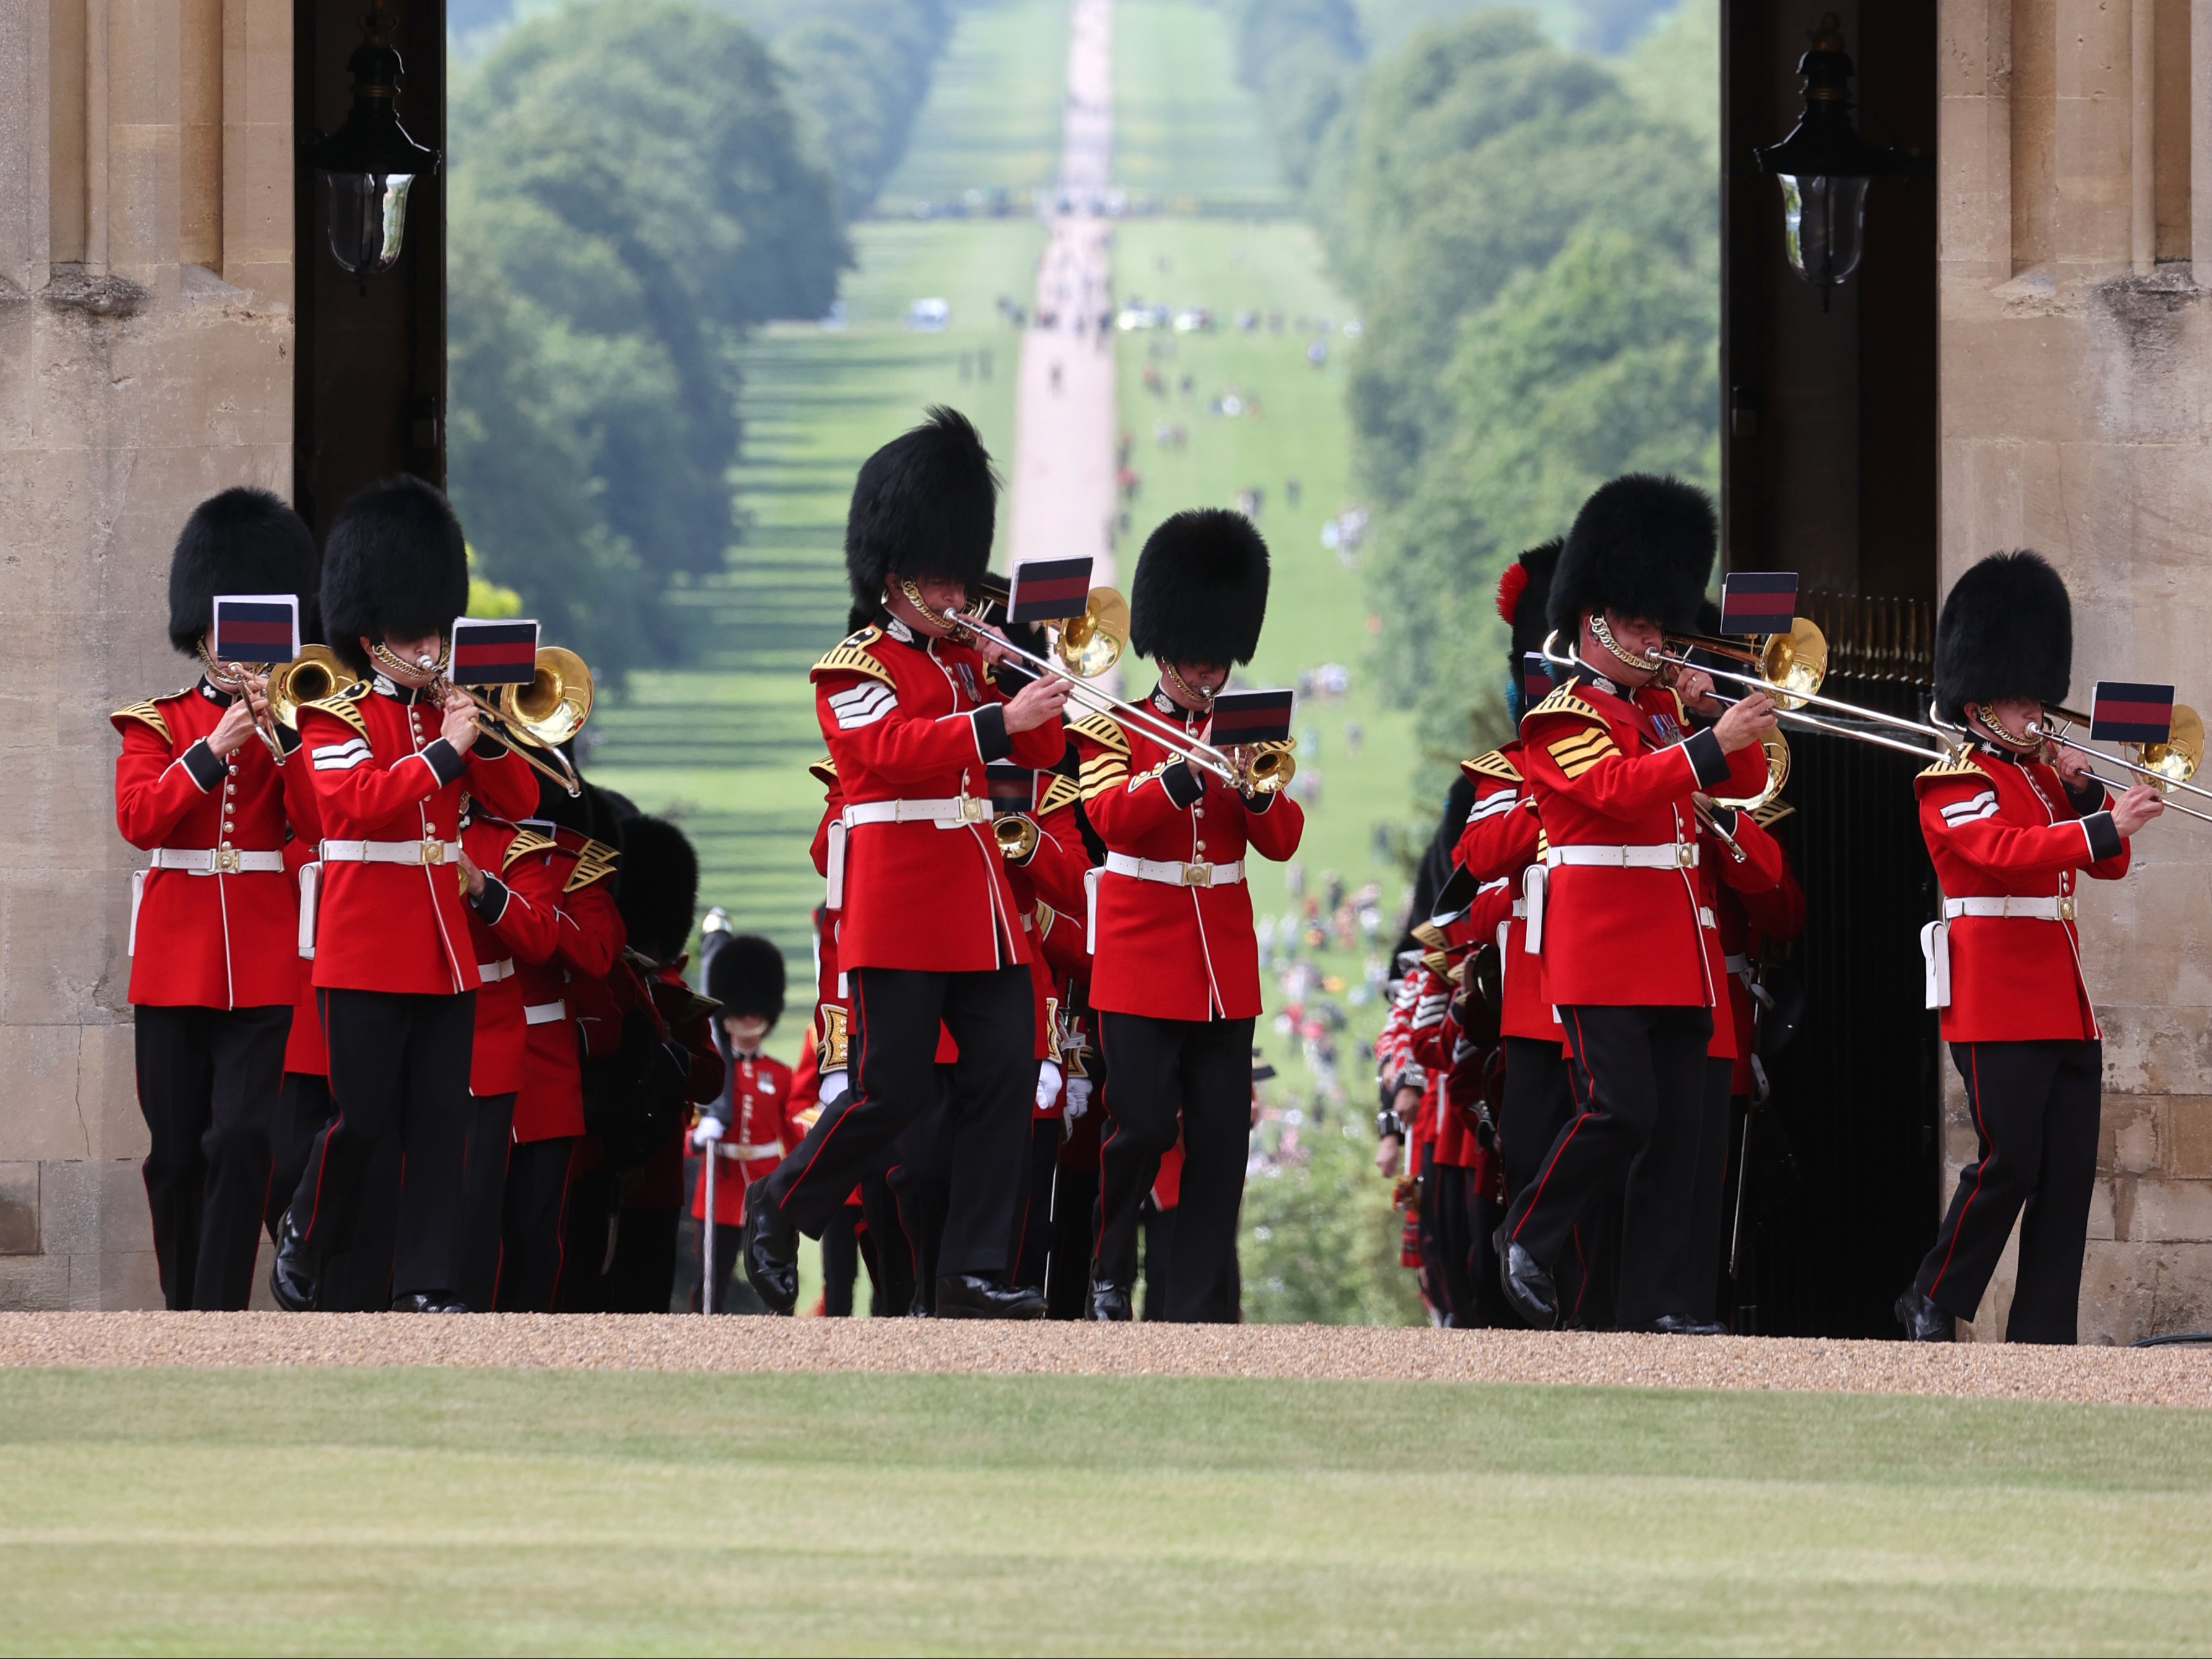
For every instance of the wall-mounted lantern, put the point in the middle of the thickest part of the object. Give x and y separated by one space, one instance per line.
369 163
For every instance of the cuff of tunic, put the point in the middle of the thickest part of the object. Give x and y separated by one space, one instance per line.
1707 758
446 762
992 741
1183 786
207 767
2105 842
490 904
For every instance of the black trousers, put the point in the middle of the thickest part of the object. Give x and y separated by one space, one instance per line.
1450 1197
1032 1241
208 1082
1162 1073
1535 1108
303 1112
841 1262
1639 1076
641 1276
1709 1214
483 1198
919 1179
893 1253
895 1016
732 1294
534 1246
1677 1174
1158 1227
2035 1107
1074 1225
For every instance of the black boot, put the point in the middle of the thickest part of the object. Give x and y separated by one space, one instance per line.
771 1251
428 1301
291 1280
1108 1302
1923 1320
971 1295
1685 1325
1527 1285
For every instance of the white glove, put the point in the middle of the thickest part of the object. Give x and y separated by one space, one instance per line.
1078 1098
1047 1085
708 1130
833 1085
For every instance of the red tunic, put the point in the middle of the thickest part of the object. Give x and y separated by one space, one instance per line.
1609 770
1502 839
304 1051
1750 921
1160 949
1997 827
913 720
382 774
588 937
758 1111
515 920
223 940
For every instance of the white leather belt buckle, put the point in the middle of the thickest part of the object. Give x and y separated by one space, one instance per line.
216 860
1198 875
492 972
544 1013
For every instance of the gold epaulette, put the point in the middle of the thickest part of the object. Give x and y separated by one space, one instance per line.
1772 813
150 712
1565 701
831 1040
1963 767
526 842
1061 791
596 859
1491 765
824 771
852 656
1103 730
342 703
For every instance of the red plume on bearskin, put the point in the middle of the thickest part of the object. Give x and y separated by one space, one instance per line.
1529 618
1510 586
2007 630
242 541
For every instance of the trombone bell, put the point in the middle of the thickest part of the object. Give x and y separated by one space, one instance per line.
1778 774
2177 759
553 707
1091 643
314 674
1793 664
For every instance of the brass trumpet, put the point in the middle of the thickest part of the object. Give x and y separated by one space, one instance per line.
314 674
1016 833
541 715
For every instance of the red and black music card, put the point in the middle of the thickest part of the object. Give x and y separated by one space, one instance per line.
494 653
1251 717
261 628
1047 590
2124 712
1012 788
1758 601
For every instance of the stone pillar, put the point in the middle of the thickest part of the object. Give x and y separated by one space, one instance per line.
134 382
2075 420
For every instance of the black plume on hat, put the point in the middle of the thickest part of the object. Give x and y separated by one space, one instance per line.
242 541
1200 592
923 505
1641 545
395 564
2007 630
660 890
746 977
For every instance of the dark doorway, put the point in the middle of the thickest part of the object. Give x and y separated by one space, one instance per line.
1829 468
369 375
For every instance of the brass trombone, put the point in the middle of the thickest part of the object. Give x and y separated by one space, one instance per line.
1093 643
314 674
2167 766
541 715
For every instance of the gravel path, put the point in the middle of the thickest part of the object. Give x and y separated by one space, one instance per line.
2172 1376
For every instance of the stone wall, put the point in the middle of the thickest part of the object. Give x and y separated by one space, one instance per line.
2076 367
145 363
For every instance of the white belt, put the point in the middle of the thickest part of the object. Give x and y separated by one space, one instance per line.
748 1154
1520 909
216 860
1705 918
1739 966
1667 855
1171 874
950 813
544 1013
428 850
492 972
2021 909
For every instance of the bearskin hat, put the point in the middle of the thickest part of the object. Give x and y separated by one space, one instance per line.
746 977
1523 593
1641 544
243 541
395 563
923 505
2007 630
1200 592
659 886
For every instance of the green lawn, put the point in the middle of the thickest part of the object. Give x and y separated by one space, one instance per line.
992 118
424 1510
1185 135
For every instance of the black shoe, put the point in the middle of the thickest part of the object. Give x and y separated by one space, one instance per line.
971 1295
428 1302
1527 1285
1685 1325
771 1251
291 1281
1108 1302
1923 1320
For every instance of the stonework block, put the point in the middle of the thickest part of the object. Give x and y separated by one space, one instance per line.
69 1205
2129 1291
109 1072
118 1280
35 1284
45 1118
2189 1137
55 969
19 1209
2172 1210
2150 1051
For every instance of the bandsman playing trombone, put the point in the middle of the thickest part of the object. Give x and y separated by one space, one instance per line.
215 966
2012 823
1174 973
395 970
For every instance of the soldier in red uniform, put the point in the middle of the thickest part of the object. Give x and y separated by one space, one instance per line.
2011 826
213 923
930 931
395 966
1613 778
1175 971
753 1123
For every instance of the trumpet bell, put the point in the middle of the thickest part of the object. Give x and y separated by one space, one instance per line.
1270 770
1795 663
2177 759
1778 774
314 674
553 707
1016 836
1091 643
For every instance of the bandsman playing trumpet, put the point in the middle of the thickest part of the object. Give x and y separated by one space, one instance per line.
214 925
2012 824
1175 973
